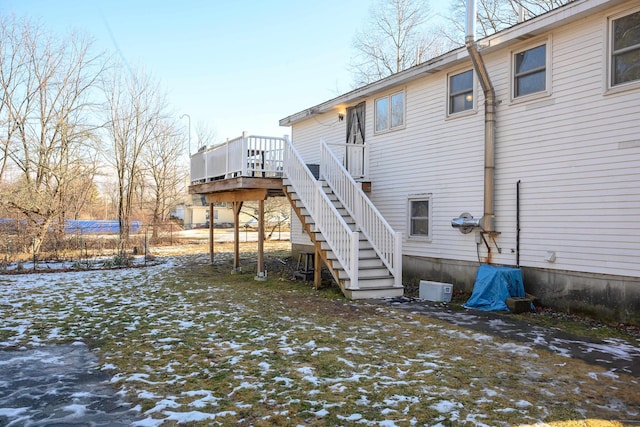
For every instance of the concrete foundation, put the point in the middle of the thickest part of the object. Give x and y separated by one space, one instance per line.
606 297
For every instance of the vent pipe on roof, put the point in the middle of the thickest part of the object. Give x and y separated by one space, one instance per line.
488 220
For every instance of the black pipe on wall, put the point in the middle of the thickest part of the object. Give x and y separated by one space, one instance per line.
518 224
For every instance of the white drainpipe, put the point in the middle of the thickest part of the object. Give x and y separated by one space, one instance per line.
488 220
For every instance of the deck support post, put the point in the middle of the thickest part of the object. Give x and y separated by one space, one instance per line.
211 256
237 205
317 266
261 273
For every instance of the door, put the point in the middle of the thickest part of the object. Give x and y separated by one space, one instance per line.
354 154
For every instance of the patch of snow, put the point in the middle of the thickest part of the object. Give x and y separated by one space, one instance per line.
76 410
352 417
12 412
522 404
193 416
445 406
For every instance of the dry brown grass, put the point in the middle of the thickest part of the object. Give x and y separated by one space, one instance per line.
281 353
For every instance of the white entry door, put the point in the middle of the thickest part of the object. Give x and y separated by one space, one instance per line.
355 155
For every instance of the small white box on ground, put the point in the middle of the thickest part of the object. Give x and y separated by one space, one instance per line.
435 291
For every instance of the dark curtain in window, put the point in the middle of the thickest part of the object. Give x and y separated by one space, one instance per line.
355 115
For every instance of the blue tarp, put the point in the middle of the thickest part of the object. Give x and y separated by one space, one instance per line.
494 284
98 226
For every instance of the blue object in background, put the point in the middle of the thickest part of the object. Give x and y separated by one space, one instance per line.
494 284
98 226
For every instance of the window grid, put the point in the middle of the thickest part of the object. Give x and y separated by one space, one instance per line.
625 49
389 112
461 92
420 217
530 71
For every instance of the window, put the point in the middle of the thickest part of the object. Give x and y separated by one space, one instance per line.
389 112
530 71
419 217
625 49
461 92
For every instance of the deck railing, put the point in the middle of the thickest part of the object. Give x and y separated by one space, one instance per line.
247 155
343 241
385 240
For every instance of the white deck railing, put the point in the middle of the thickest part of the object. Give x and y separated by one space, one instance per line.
248 155
385 240
343 241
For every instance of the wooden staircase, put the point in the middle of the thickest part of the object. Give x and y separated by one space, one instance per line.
373 279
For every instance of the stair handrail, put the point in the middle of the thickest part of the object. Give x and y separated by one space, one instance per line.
386 242
343 241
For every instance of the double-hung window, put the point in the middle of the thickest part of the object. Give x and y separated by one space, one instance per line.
389 112
530 71
461 92
420 216
625 49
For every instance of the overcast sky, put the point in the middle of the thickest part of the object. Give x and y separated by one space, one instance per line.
234 65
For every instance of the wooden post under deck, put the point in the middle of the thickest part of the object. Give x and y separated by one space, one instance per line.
236 236
317 267
211 232
237 198
261 273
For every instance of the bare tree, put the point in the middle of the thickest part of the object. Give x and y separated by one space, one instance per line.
136 107
494 15
165 173
48 85
206 135
395 38
277 214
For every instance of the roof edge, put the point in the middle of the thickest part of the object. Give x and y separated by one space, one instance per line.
572 11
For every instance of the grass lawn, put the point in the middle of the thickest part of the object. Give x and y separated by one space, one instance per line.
188 342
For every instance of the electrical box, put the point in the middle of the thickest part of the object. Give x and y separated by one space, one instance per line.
435 291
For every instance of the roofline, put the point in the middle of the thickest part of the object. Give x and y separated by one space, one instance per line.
572 11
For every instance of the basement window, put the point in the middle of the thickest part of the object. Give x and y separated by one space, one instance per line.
389 114
625 49
420 216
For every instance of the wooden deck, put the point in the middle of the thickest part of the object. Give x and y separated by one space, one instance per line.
240 184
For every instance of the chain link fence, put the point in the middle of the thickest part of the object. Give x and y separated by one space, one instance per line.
79 244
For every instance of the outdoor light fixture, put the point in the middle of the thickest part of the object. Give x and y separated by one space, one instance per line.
340 116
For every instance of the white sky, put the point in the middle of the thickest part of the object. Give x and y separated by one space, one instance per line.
232 65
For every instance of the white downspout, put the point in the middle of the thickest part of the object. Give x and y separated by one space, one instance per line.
488 220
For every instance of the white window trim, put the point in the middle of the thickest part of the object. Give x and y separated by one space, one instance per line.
417 198
472 110
623 87
548 71
404 112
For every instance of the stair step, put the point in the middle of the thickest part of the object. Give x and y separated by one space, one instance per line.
382 282
373 293
365 273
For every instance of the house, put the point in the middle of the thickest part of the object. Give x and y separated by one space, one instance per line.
521 149
555 191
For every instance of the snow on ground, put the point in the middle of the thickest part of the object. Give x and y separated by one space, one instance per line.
195 354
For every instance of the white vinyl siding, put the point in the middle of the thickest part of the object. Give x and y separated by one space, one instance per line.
575 150
579 185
